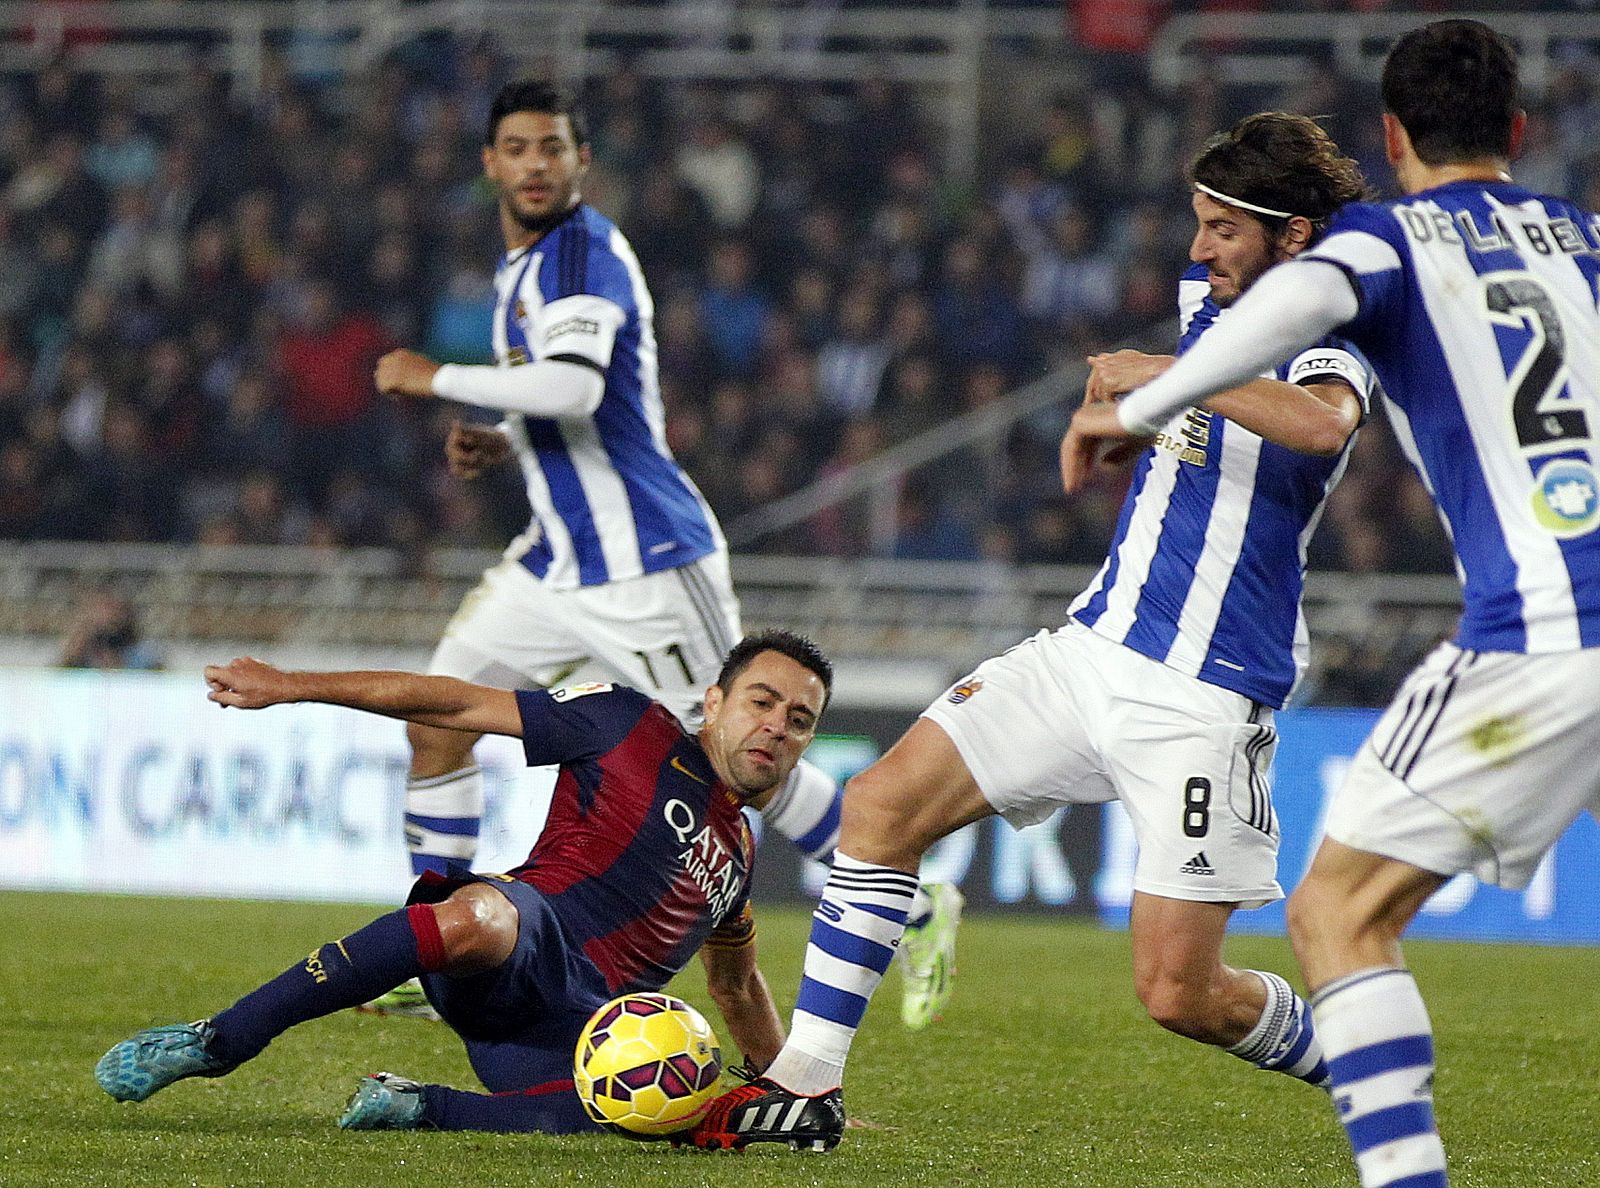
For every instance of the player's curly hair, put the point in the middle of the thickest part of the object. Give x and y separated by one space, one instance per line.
1453 87
797 647
532 94
1283 162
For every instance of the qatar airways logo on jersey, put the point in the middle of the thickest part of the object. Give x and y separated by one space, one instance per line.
705 859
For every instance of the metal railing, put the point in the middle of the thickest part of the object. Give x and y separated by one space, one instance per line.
937 47
1273 48
938 616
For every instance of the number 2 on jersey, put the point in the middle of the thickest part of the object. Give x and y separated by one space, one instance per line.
1541 415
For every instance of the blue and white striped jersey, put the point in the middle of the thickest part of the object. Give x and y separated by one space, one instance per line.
1208 561
1478 311
609 501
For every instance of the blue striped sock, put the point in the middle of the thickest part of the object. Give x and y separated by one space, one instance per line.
854 932
806 811
1375 1030
443 816
1284 1039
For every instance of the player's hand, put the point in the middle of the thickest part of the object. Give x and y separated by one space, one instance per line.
1116 373
405 373
247 683
1094 426
469 450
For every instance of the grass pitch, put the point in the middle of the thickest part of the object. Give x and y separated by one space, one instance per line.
1044 1070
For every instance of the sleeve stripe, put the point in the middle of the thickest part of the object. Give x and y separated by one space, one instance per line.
572 256
580 360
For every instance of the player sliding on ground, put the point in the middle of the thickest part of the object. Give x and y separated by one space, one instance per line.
645 859
1476 301
1159 691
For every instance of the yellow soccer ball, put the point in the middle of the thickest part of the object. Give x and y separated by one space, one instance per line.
646 1065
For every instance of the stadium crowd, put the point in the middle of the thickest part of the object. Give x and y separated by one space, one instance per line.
192 297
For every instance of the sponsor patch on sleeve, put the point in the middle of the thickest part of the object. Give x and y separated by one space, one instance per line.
573 325
1324 363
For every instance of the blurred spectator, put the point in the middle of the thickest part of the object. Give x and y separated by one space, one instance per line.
1071 281
850 364
325 358
974 312
719 166
105 634
735 310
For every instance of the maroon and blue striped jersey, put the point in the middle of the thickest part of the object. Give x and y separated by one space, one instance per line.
645 851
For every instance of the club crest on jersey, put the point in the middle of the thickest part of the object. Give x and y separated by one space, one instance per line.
965 690
570 692
1566 498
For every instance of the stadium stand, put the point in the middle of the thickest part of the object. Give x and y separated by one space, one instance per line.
211 227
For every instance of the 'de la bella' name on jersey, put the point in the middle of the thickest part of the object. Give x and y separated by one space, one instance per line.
705 859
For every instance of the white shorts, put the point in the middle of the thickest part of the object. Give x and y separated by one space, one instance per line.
1068 717
665 633
1480 764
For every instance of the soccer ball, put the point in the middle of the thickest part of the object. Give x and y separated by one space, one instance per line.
646 1065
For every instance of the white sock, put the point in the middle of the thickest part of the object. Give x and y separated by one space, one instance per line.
1375 1030
443 815
806 811
854 933
1283 1039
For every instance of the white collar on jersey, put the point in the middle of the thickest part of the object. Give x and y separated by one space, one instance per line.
1242 204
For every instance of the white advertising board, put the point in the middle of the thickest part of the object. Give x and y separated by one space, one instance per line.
134 782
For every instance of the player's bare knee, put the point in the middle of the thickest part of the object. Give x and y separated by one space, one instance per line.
1305 913
478 926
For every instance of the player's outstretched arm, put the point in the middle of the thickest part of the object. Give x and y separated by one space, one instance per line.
1309 418
247 683
736 985
1292 306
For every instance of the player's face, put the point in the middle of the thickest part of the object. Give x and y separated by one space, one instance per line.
756 730
1233 245
537 165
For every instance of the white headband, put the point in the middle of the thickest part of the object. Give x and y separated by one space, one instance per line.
1241 204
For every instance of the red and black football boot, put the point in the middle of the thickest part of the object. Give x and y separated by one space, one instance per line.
765 1112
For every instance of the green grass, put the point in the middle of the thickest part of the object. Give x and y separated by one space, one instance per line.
1044 1071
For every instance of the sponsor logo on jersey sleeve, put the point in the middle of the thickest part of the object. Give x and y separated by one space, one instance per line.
573 325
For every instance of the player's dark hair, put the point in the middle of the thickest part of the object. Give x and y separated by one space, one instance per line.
1282 162
532 94
1453 87
797 647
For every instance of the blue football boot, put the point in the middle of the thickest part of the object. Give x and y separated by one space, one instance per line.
148 1062
384 1101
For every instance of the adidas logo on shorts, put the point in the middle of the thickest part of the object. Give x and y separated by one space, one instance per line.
1197 866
